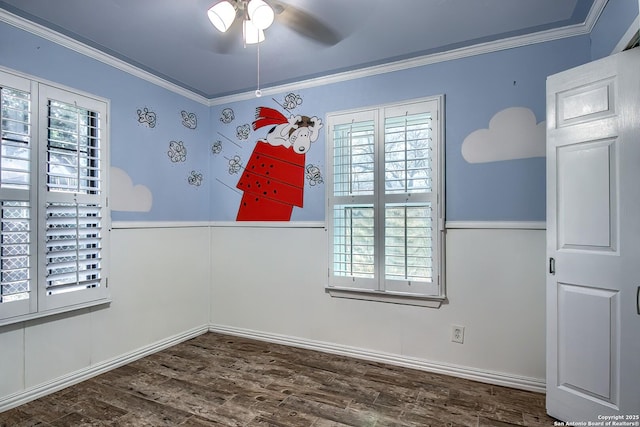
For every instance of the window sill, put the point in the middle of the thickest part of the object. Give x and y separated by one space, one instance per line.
434 301
26 317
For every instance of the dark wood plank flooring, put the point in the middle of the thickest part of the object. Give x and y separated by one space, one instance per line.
220 380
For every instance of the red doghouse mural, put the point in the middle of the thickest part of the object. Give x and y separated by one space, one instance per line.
273 179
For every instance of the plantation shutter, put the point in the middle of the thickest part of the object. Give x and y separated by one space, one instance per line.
385 215
17 242
410 214
352 183
73 199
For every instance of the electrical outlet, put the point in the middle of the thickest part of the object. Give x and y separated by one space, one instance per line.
457 334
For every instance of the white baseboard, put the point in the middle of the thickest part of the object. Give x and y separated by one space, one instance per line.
496 378
523 383
52 386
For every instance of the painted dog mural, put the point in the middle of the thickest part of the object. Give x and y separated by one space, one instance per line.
273 179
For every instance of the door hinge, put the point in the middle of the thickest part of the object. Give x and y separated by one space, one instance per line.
552 266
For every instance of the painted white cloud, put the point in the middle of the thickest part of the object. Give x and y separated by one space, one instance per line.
512 134
128 197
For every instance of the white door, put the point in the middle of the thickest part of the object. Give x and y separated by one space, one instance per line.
593 241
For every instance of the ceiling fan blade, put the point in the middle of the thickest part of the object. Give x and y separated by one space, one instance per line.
306 24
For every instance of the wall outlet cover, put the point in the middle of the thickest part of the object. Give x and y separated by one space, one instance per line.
457 334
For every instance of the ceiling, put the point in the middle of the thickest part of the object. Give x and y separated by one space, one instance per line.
174 40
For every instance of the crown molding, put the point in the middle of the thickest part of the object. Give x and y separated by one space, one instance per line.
478 49
594 14
628 35
91 52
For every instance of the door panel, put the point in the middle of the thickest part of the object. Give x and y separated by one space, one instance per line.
588 341
593 236
586 195
585 103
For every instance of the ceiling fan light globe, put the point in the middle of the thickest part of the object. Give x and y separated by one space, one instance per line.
252 35
260 14
222 15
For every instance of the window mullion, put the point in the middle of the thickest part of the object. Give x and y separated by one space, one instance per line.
77 241
406 245
34 202
350 157
406 161
78 151
380 201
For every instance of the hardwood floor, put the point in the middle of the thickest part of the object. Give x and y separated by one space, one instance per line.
220 380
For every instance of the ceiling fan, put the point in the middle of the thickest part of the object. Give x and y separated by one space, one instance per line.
253 17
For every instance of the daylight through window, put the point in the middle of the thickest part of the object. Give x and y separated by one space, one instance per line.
53 221
385 201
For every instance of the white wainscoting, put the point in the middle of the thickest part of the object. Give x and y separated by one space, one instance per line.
270 284
159 282
170 284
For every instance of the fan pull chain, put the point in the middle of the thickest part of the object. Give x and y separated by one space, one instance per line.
258 91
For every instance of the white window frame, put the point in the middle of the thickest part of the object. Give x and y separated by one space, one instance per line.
379 287
41 301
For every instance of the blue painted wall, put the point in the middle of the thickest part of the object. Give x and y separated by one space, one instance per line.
615 20
140 151
475 88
